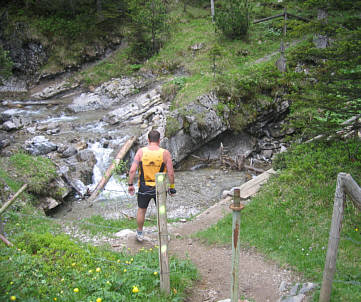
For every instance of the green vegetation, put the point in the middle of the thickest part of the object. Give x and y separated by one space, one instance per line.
37 171
46 265
99 225
233 18
6 64
289 219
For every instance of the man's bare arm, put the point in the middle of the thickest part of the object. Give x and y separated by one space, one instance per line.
167 158
134 166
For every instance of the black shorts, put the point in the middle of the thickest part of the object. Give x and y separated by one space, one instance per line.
145 195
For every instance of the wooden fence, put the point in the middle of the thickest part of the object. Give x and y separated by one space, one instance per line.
345 185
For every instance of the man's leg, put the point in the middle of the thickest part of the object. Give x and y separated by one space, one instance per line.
140 218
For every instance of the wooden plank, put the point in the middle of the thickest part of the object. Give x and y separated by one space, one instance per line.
268 18
164 273
352 189
12 199
252 186
7 242
109 172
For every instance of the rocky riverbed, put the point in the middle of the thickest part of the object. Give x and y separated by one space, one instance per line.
82 131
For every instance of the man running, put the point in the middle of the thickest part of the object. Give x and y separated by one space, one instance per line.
150 160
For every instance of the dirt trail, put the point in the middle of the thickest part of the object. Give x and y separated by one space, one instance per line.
259 278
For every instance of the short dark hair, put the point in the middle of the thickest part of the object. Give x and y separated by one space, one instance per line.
154 136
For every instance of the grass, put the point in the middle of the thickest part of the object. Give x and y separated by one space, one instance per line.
116 66
36 171
109 226
46 265
289 219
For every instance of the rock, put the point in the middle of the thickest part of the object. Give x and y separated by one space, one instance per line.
70 151
142 108
39 145
49 203
267 153
8 114
13 84
89 101
321 41
306 287
197 46
82 170
79 187
86 156
283 286
55 89
125 233
5 139
294 289
199 127
58 189
45 127
298 298
9 126
268 117
81 145
119 88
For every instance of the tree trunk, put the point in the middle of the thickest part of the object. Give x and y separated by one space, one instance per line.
122 152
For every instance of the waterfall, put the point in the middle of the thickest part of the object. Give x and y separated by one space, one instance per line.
117 187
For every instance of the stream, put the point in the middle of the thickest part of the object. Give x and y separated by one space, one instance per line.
91 123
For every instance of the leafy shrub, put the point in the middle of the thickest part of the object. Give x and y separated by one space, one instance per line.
232 18
172 126
6 64
36 171
47 267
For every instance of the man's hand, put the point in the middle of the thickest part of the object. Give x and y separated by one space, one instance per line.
172 191
131 189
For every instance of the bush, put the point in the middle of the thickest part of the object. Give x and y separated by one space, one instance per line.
232 18
6 64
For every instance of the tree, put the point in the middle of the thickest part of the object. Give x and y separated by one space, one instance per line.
149 19
329 94
232 18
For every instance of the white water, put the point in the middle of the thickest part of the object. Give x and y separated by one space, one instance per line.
116 188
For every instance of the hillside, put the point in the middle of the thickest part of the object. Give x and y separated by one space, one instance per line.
208 87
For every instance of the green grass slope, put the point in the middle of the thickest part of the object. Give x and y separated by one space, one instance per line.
289 220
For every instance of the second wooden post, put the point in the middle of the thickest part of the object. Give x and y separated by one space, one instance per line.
162 232
236 246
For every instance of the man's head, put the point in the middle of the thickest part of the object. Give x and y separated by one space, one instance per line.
154 136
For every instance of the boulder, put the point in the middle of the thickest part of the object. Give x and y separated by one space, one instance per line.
86 156
119 88
39 145
55 89
140 109
48 203
198 126
88 102
5 139
70 151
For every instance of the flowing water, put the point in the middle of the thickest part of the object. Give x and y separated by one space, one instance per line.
197 188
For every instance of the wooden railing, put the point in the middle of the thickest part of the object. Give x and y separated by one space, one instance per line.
345 185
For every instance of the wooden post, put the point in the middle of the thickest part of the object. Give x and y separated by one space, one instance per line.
122 152
345 184
236 245
12 199
7 242
212 9
162 232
